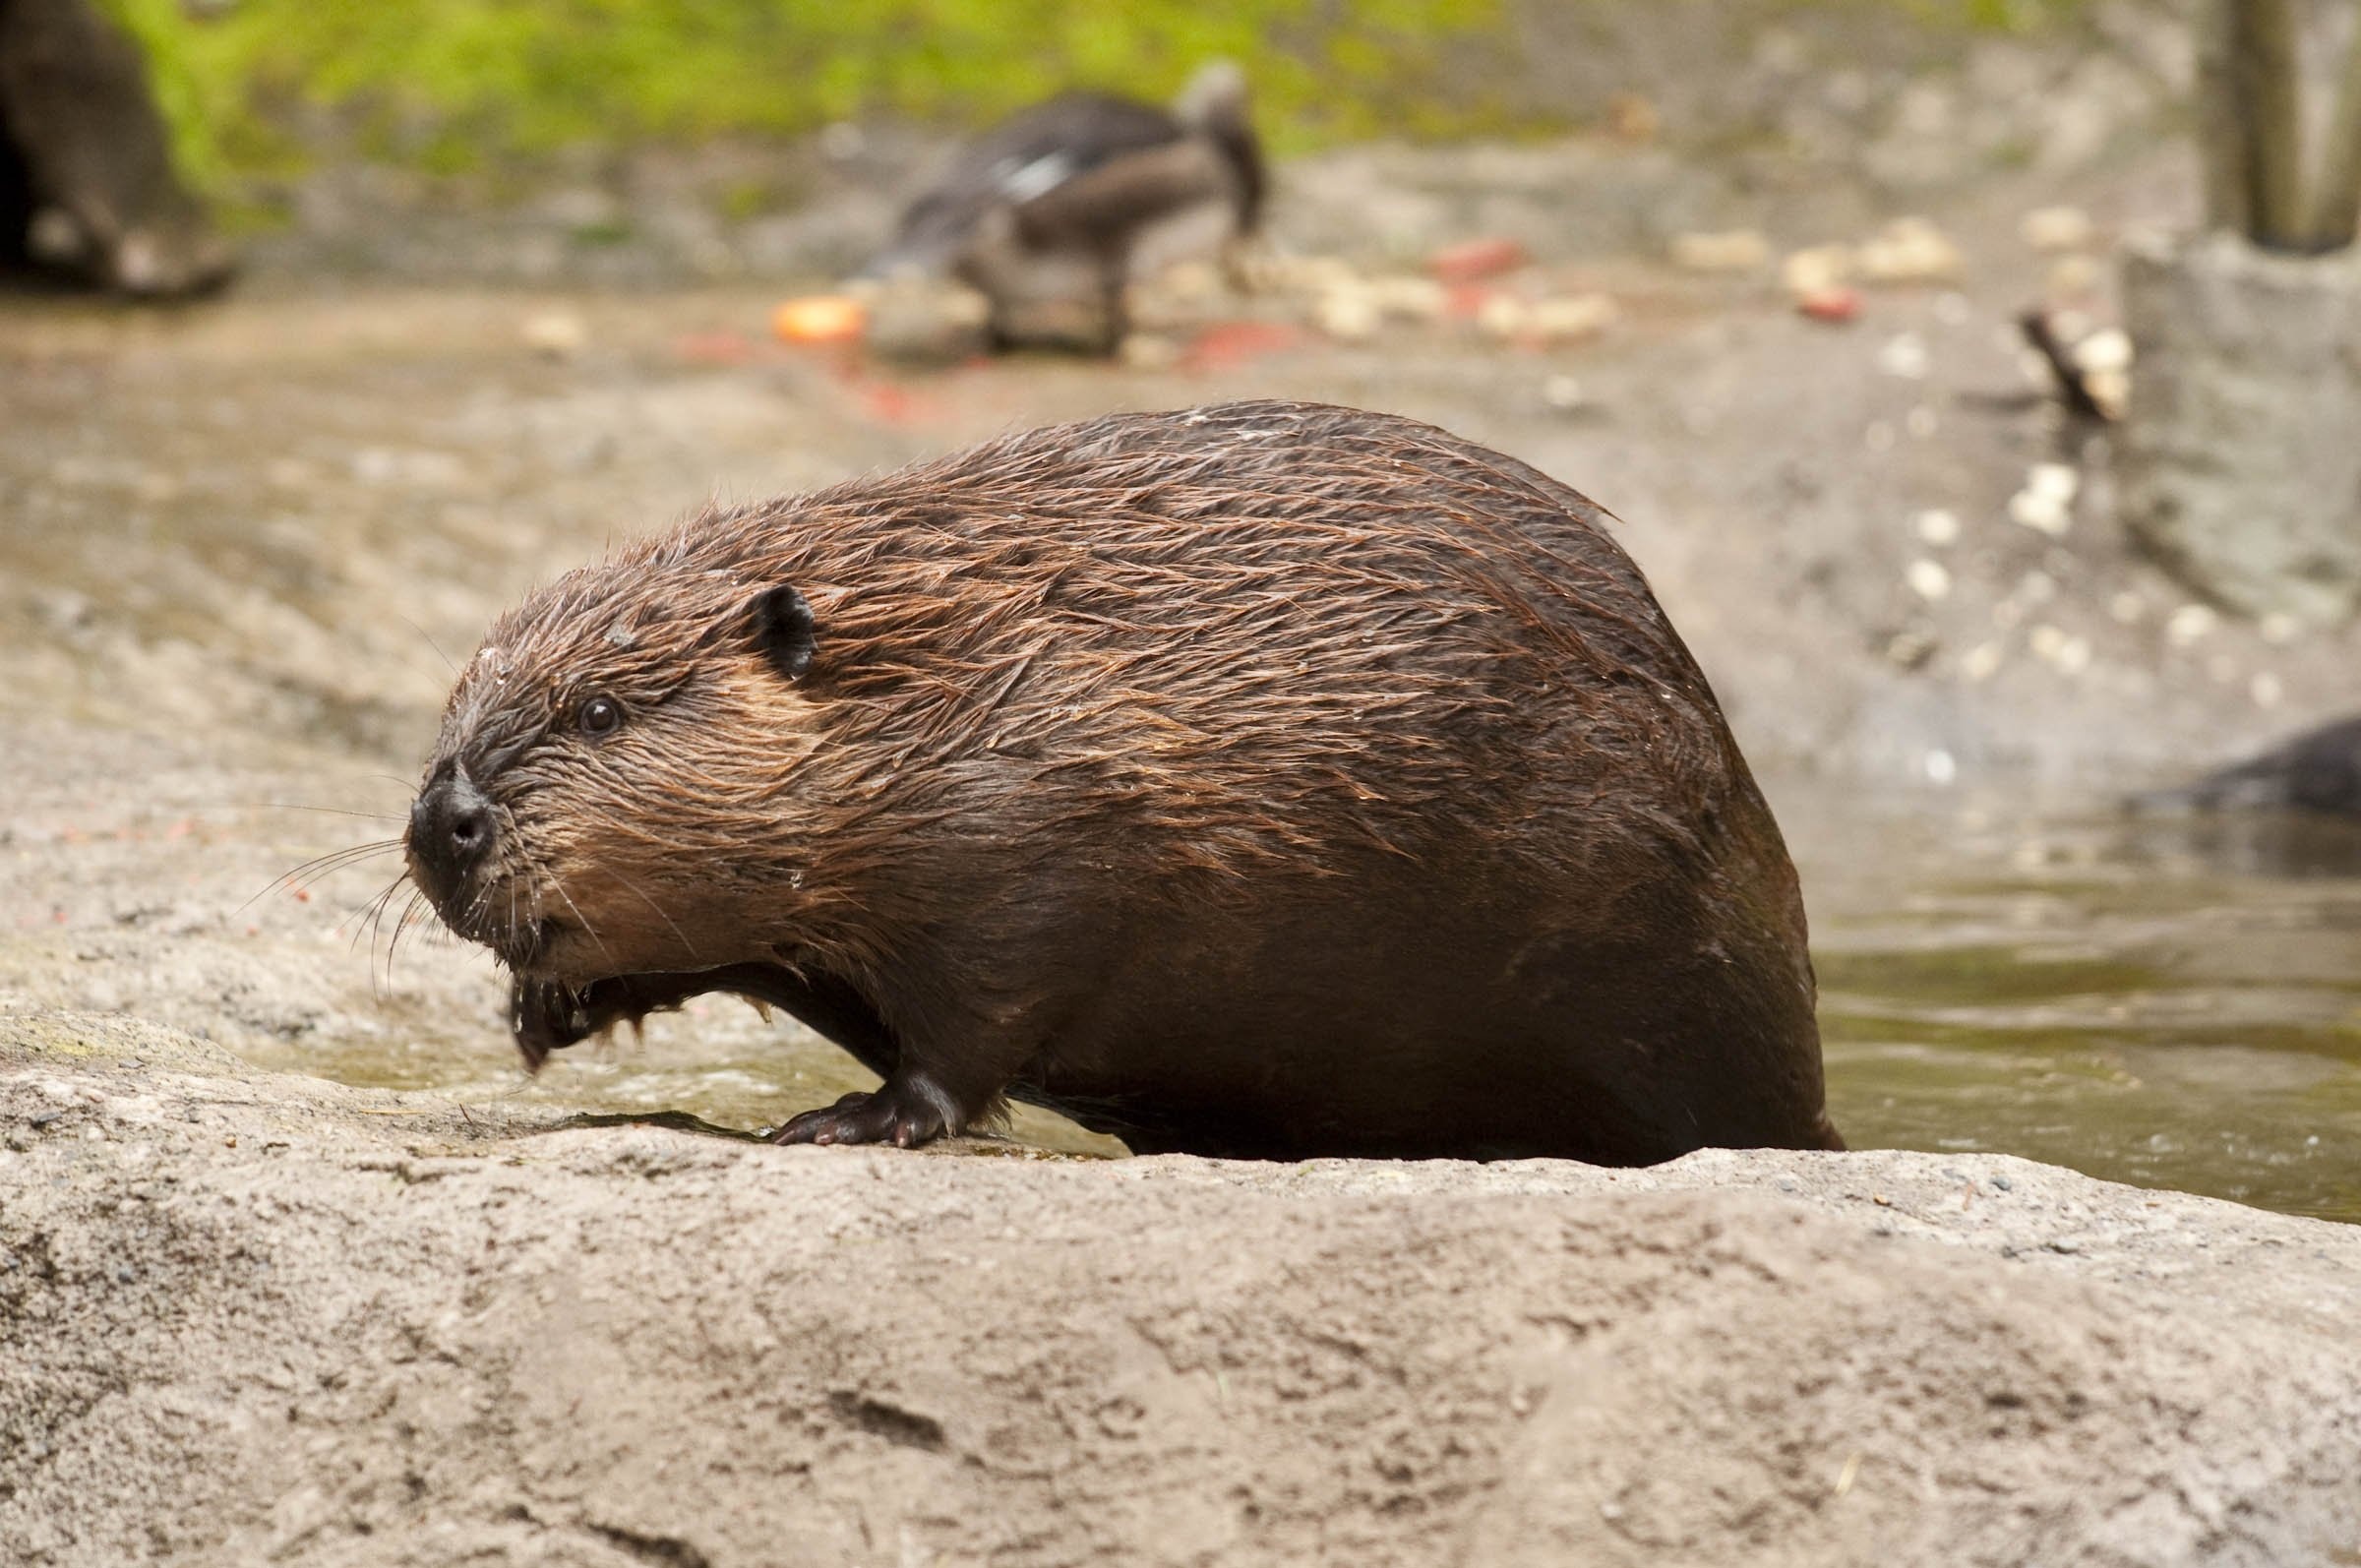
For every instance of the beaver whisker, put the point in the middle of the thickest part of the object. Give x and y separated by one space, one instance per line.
409 912
393 938
373 922
429 641
321 866
333 811
363 915
379 905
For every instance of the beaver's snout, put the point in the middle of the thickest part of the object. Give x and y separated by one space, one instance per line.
452 829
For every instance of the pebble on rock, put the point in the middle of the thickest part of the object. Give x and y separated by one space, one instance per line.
2057 228
2108 348
2068 653
2046 502
1408 298
1569 317
1937 526
1816 269
1743 250
2279 628
1563 392
1348 315
558 333
2190 624
1149 351
1905 355
1909 250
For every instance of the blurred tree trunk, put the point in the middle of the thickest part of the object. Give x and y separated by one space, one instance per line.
2263 35
2337 215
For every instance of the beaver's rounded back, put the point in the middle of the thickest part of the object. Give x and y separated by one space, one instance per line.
1261 779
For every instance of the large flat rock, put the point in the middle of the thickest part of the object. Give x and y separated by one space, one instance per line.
248 1318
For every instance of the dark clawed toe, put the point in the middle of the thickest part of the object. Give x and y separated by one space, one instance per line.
888 1115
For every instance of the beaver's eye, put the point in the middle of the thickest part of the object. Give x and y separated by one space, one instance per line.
601 715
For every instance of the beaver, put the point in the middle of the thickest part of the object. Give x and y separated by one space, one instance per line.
1264 779
2317 770
1052 213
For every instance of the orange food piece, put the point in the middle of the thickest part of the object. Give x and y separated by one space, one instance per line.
819 319
1830 304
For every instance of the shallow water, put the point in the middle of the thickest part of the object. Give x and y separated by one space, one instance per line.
2174 1003
2169 1004
718 1061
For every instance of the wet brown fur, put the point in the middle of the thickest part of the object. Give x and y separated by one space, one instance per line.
1262 779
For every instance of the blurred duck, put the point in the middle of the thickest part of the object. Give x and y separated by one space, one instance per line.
2319 770
1051 214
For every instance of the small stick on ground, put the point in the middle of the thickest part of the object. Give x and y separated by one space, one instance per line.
2073 383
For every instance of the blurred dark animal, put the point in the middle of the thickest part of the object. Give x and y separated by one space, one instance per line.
1267 779
1051 214
86 185
2319 770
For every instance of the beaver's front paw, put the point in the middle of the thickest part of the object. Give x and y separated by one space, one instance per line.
901 1114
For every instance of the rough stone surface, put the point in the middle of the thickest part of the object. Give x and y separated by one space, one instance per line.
2238 461
251 1320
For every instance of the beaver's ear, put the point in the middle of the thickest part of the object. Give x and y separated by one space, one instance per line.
783 629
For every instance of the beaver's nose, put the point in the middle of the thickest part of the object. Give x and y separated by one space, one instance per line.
452 829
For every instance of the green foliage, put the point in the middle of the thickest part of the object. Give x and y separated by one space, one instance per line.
191 106
442 83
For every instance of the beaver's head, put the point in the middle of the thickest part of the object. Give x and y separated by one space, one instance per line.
614 789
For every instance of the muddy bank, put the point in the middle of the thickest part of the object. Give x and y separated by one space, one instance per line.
261 1318
264 519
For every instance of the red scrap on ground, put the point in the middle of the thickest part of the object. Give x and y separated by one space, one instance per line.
714 349
1228 343
1470 260
1830 304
